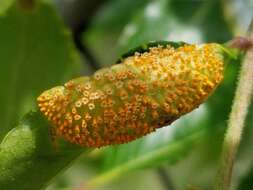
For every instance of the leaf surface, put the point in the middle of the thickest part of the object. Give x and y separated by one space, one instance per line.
36 53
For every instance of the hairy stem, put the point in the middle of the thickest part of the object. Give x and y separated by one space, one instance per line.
236 121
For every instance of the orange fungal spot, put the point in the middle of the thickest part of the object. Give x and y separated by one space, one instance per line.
144 92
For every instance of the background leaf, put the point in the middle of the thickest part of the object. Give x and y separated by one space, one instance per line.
36 53
108 17
4 4
190 21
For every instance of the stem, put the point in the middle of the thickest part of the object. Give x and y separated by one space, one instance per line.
236 122
84 50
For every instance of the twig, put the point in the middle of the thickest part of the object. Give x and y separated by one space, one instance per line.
77 36
236 121
78 16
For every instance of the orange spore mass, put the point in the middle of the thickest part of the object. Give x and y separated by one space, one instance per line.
129 100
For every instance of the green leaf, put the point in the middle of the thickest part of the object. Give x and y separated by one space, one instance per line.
189 21
108 17
106 26
4 5
28 158
36 53
176 21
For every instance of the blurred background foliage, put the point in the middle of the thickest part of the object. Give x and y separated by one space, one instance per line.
56 40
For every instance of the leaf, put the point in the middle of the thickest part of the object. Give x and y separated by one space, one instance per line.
166 20
189 21
28 159
107 25
5 4
36 53
108 17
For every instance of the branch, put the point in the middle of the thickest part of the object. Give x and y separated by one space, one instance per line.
84 50
236 122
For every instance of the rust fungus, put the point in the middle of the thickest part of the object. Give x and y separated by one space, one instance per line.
145 91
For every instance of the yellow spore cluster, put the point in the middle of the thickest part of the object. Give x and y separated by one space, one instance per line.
126 101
